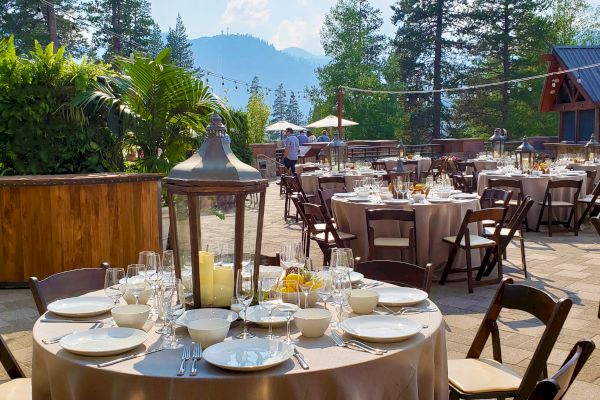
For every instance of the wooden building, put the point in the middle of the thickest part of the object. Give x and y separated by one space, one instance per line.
575 95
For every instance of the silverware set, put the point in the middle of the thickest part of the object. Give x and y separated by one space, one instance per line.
56 339
187 354
74 321
408 310
129 357
355 345
371 285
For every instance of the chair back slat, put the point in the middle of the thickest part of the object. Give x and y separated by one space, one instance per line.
379 165
66 284
332 182
270 260
493 214
491 196
398 273
325 196
392 214
519 216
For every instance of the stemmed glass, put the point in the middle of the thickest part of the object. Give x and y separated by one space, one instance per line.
291 305
340 290
269 298
153 277
342 259
307 283
324 285
112 284
244 293
173 302
165 273
292 255
136 280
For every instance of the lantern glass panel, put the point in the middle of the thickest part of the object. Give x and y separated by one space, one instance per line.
338 155
497 149
184 247
251 218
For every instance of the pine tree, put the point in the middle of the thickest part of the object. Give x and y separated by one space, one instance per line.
292 112
130 20
30 20
155 43
279 104
254 86
181 48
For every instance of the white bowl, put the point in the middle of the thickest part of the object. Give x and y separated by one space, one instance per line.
208 331
131 316
363 301
144 297
418 197
444 195
312 322
386 195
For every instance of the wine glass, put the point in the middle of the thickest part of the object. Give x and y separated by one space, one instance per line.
168 259
173 303
340 290
153 276
269 298
307 283
324 285
292 255
244 293
291 304
112 283
136 280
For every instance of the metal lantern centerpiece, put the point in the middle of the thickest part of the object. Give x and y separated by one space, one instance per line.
400 167
337 152
497 140
216 208
524 155
592 149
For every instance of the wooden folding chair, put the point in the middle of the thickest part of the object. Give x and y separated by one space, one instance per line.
379 165
435 169
592 205
460 183
325 196
270 260
480 378
19 387
511 230
398 273
491 198
328 238
310 168
514 185
66 284
294 189
401 243
552 204
556 387
466 241
333 182
407 176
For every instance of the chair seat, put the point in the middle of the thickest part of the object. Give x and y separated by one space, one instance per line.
16 389
322 226
342 235
558 203
391 242
473 375
489 231
588 200
488 222
476 241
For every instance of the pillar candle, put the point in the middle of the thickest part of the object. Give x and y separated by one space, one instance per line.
207 264
223 286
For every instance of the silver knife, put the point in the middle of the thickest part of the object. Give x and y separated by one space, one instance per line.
72 321
300 359
130 357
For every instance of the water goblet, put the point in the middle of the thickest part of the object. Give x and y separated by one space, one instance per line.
269 298
113 286
173 302
340 290
324 285
135 282
244 293
291 305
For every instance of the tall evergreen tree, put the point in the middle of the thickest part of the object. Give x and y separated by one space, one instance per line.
30 20
292 111
155 43
181 48
575 22
130 20
254 86
279 104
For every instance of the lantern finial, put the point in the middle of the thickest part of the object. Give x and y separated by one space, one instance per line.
216 128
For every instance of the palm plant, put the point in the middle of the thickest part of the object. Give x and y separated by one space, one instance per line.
162 108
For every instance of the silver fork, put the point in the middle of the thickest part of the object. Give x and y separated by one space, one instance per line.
186 354
354 345
197 355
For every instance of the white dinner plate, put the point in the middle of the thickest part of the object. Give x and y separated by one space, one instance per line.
356 277
248 355
203 313
397 201
352 194
398 296
381 328
260 316
517 175
435 200
573 173
103 341
359 200
465 196
85 306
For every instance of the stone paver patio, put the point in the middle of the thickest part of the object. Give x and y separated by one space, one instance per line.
563 265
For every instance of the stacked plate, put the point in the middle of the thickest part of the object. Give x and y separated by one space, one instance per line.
381 328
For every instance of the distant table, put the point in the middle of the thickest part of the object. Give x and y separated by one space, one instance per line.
310 180
583 167
415 369
419 170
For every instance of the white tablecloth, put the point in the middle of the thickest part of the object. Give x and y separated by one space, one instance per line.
415 369
422 166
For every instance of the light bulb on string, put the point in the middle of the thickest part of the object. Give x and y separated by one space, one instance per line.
578 78
529 88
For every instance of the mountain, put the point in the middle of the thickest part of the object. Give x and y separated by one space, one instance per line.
242 57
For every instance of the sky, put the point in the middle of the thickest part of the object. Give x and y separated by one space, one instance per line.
283 23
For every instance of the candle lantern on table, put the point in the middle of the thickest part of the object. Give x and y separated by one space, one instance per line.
524 155
592 149
337 152
497 140
216 208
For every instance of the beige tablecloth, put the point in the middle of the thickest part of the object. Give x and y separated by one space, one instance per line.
422 166
310 181
434 222
536 188
415 369
594 167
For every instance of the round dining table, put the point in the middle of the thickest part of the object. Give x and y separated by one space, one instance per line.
433 223
414 369
535 186
310 180
419 170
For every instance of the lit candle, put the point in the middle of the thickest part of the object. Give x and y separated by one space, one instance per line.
207 265
223 286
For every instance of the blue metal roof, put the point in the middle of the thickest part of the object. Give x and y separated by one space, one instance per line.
579 56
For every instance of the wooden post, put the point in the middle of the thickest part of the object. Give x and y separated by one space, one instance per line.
52 25
340 95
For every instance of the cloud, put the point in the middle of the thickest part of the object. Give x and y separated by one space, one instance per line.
246 13
298 32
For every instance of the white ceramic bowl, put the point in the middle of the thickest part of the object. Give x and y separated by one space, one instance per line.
363 301
444 195
144 297
131 316
418 197
386 195
362 194
312 322
208 331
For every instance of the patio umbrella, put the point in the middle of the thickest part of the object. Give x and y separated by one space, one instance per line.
282 126
330 121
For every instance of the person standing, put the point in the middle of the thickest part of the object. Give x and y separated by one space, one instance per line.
302 138
291 147
324 137
311 137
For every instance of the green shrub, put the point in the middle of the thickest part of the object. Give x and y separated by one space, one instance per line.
40 132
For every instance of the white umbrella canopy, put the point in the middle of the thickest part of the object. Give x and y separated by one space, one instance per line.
330 121
282 126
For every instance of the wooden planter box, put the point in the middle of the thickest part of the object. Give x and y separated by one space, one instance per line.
54 223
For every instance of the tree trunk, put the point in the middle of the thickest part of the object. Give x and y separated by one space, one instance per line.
116 26
52 25
505 65
437 71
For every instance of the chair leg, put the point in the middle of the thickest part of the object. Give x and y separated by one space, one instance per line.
500 272
448 267
585 213
523 255
537 227
550 220
469 269
575 215
485 264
